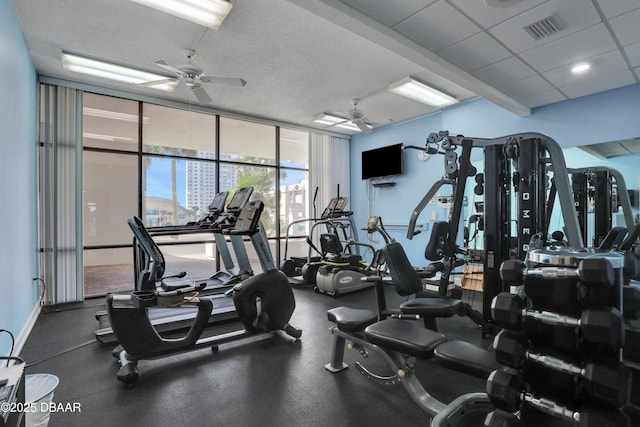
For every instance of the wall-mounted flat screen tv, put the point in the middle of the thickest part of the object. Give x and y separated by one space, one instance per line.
382 162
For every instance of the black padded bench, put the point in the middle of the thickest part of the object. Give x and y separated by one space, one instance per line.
394 340
465 357
401 335
404 336
409 338
351 319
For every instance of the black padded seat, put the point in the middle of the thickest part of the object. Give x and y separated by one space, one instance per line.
404 336
466 357
432 307
351 319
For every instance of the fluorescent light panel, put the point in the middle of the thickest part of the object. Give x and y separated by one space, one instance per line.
107 70
418 91
331 120
208 13
349 126
328 119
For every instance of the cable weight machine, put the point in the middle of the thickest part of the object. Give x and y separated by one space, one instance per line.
517 189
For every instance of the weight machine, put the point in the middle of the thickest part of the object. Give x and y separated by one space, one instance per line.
600 191
517 188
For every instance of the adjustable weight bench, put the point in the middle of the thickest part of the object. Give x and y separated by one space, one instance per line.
400 342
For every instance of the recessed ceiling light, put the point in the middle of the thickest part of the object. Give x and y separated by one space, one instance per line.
580 68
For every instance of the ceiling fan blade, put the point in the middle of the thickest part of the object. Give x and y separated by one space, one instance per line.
166 66
364 127
201 95
231 81
156 82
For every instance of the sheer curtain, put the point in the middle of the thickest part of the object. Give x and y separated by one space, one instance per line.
329 167
60 184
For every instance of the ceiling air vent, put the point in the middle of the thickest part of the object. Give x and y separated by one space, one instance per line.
544 28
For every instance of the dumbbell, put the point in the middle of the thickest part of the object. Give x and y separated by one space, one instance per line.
600 326
506 392
590 270
609 382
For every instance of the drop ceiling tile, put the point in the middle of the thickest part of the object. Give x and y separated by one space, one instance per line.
503 71
633 53
613 81
573 15
475 52
612 8
486 16
567 50
526 87
625 27
543 98
602 66
437 26
388 13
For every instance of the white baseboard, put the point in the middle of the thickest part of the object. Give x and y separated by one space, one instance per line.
26 329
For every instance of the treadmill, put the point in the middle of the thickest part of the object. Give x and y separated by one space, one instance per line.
231 275
216 221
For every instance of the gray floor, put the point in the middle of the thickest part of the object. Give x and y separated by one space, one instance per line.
271 381
274 381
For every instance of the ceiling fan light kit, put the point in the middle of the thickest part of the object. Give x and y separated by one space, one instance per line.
418 91
208 13
108 70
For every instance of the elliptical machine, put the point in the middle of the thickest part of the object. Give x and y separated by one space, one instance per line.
340 271
264 303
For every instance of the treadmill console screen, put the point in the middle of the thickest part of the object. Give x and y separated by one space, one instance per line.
217 205
240 199
249 217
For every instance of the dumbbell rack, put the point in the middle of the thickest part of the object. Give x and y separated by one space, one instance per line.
562 342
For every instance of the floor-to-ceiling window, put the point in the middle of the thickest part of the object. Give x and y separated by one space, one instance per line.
110 138
165 165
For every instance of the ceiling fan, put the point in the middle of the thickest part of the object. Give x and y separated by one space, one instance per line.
358 118
193 77
347 120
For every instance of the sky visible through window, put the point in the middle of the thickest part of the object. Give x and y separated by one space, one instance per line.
159 169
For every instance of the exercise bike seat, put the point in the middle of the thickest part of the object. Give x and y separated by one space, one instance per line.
405 337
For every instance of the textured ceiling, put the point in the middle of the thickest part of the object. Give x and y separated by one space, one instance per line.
304 57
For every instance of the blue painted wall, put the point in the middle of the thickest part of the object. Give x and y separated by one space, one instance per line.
607 116
18 177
